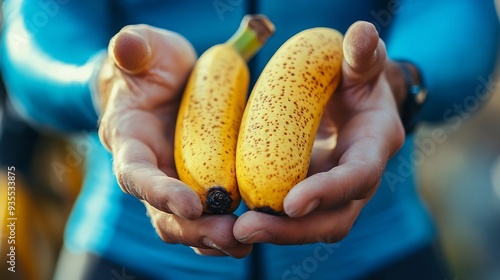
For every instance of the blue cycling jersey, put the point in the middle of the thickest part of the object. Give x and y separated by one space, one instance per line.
47 62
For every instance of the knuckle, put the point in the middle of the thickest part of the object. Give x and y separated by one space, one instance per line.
122 179
343 232
166 236
337 235
165 232
372 174
338 231
302 239
125 181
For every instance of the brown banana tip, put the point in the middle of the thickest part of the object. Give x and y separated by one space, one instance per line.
218 200
262 26
268 210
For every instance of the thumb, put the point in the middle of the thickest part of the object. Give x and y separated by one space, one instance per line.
130 51
364 52
138 48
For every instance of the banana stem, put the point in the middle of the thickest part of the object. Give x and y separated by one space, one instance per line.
251 35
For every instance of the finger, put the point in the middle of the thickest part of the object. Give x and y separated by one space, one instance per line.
322 226
136 169
130 51
137 48
353 181
209 233
363 150
364 53
154 63
218 253
209 252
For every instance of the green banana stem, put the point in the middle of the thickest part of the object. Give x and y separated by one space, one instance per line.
251 35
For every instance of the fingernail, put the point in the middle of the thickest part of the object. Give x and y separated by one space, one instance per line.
258 236
209 243
299 212
197 251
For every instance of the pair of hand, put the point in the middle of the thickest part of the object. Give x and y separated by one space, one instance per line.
140 84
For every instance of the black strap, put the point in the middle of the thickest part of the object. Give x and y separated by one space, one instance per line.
415 98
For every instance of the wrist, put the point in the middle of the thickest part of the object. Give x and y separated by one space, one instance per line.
409 91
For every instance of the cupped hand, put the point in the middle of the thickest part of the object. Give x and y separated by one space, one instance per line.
140 84
360 131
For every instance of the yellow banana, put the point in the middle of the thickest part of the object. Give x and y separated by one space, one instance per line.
210 113
282 117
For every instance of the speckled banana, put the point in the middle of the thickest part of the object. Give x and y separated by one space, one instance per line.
210 114
282 117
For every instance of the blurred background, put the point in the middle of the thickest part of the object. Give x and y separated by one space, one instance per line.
46 185
460 180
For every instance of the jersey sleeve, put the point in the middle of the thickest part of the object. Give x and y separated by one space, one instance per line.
50 54
455 45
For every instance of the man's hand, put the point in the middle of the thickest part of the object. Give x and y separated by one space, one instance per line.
360 131
140 86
